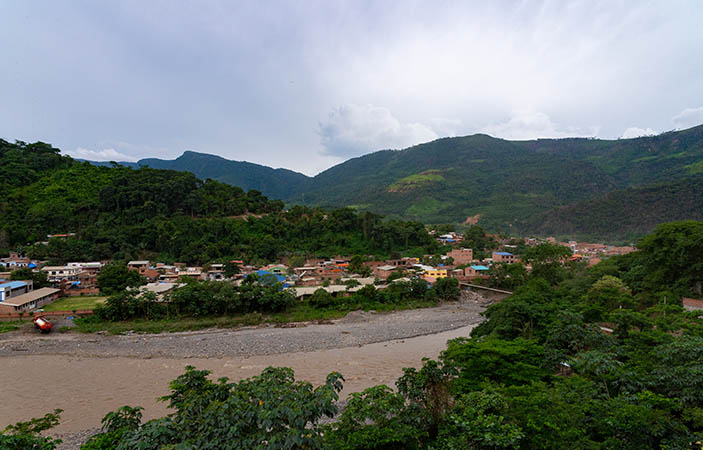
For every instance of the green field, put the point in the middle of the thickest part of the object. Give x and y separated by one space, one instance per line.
71 303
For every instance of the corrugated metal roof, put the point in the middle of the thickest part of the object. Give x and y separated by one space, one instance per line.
503 253
13 284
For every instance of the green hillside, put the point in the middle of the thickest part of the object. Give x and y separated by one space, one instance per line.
514 186
273 183
625 214
512 183
120 212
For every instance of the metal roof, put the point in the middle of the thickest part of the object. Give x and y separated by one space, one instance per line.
13 284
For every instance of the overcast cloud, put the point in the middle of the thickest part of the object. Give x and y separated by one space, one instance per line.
305 85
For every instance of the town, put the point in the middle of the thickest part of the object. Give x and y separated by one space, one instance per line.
340 275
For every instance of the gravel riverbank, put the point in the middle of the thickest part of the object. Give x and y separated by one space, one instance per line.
357 328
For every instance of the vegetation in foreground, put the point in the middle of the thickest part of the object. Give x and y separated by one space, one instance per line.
539 373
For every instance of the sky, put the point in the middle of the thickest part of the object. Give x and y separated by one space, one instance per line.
308 84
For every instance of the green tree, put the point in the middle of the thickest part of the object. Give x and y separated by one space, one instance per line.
39 278
447 289
547 261
116 277
27 435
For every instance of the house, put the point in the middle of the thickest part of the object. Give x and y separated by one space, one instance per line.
57 274
691 304
15 261
476 270
11 289
383 272
29 301
505 257
138 265
435 273
461 256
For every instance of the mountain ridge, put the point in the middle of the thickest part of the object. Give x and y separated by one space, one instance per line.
509 183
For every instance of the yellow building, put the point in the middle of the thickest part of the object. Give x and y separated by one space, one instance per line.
436 273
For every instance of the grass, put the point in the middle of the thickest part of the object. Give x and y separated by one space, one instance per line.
10 326
302 312
71 303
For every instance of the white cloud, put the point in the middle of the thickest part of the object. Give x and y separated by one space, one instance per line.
107 154
353 130
527 124
634 132
689 117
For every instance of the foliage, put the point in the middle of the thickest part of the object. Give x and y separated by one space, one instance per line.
39 278
27 435
547 261
116 277
446 289
268 411
199 299
123 213
507 276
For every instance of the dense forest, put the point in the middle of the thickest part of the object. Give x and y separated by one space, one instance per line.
563 187
119 212
600 357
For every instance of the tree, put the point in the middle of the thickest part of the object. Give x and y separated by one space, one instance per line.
269 411
547 261
27 435
231 269
39 278
447 289
507 276
116 277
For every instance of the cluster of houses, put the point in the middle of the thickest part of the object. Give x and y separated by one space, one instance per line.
80 278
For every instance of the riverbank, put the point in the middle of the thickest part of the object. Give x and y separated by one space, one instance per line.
88 375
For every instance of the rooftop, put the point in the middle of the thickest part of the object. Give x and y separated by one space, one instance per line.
23 299
13 284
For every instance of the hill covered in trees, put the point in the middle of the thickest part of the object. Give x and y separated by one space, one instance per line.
120 212
544 186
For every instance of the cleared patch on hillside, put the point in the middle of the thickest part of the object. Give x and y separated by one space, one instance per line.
416 180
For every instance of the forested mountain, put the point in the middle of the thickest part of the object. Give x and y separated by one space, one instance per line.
510 183
120 212
545 186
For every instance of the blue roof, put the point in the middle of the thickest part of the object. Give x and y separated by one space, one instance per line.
261 273
479 267
32 265
13 284
504 253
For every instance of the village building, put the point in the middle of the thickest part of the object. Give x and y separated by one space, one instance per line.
29 301
59 274
15 261
9 289
505 257
691 304
461 256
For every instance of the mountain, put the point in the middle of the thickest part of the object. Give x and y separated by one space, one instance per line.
510 183
273 183
515 186
626 214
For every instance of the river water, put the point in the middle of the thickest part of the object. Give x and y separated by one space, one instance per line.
86 388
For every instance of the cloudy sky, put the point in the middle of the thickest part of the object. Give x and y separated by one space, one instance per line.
307 84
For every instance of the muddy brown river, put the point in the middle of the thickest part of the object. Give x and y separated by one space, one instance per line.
87 387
